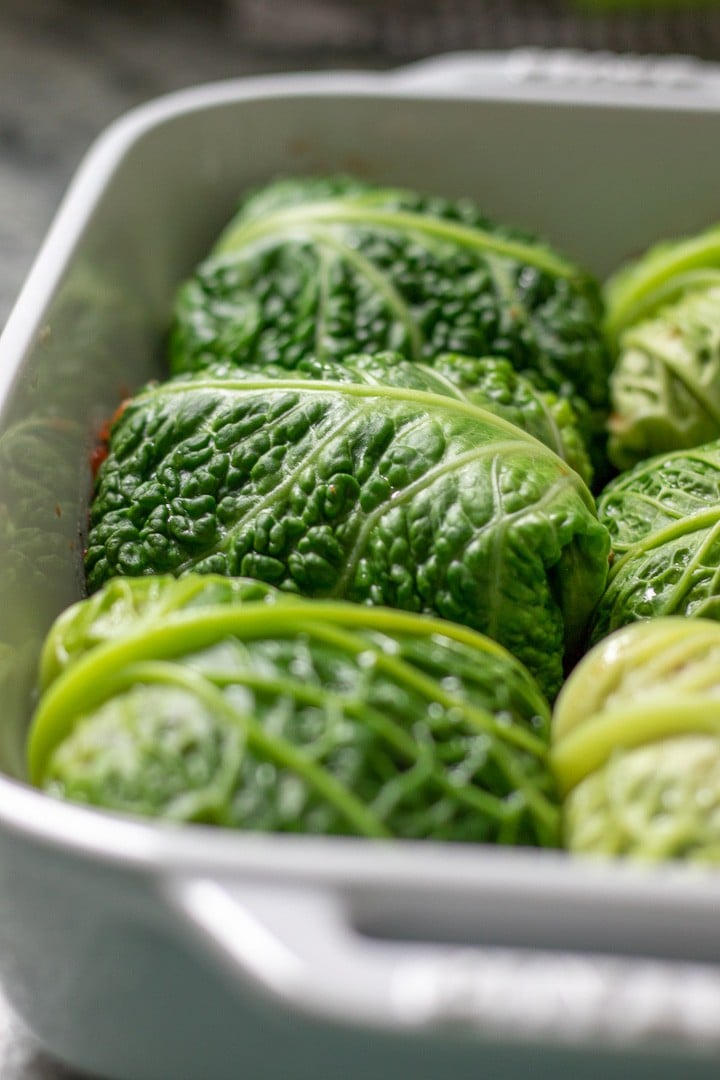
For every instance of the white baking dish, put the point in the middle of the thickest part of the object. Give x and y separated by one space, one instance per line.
146 952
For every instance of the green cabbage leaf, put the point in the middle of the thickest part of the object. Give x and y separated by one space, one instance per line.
489 382
663 517
636 743
666 384
359 490
662 316
335 267
663 275
218 700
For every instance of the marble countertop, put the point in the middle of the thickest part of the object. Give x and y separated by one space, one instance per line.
68 68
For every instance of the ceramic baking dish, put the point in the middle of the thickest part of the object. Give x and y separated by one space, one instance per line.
148 952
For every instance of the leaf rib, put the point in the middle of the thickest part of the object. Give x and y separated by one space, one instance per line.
425 226
695 522
278 750
677 370
387 728
82 685
381 283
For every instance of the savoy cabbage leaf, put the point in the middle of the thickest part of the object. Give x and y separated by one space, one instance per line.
335 267
367 491
662 320
636 743
666 383
663 517
487 381
222 701
661 276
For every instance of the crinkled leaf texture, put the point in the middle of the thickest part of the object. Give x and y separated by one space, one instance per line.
223 701
662 320
664 521
666 383
363 491
660 801
335 267
489 382
636 743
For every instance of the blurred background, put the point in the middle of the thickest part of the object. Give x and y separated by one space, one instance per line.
68 67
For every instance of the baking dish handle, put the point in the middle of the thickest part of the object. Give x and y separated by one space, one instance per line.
526 71
298 947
